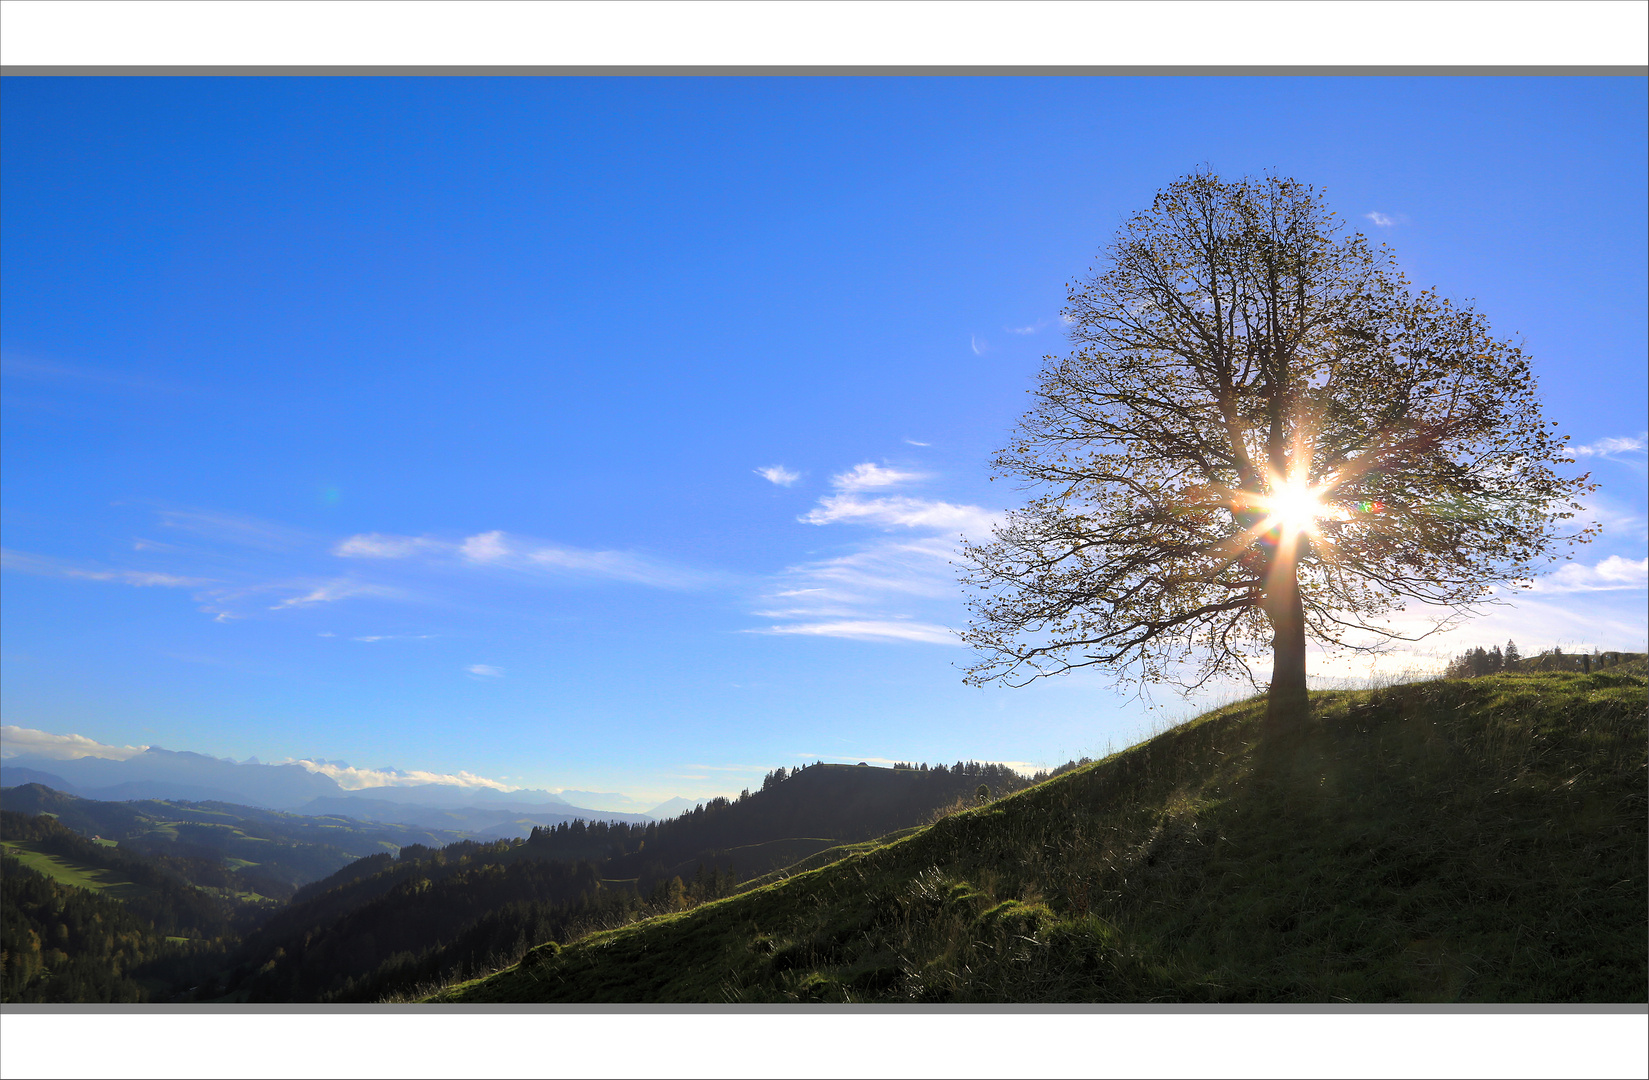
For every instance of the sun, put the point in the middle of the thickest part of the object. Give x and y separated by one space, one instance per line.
1295 507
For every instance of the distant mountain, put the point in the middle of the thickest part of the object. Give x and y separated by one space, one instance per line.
172 774
605 800
180 774
489 821
671 807
17 776
454 796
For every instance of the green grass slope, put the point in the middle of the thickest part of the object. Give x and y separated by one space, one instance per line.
70 871
1457 841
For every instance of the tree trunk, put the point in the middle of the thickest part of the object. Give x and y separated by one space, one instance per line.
1286 703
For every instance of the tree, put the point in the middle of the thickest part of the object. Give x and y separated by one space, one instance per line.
1262 436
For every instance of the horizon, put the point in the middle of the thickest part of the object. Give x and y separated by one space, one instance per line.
613 435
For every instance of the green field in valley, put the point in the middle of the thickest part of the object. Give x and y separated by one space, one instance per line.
71 872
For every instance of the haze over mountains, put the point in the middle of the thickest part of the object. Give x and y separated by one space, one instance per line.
156 773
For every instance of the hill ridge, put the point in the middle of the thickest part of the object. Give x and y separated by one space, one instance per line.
1476 840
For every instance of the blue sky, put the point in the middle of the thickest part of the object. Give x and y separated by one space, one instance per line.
612 434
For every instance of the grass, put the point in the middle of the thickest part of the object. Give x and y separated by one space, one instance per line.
1451 841
72 872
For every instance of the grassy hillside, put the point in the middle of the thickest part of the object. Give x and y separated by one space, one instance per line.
1473 841
385 925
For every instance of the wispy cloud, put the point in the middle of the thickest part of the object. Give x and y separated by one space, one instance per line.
846 505
1618 520
1612 573
913 442
884 589
333 591
485 671
868 630
899 511
500 550
17 741
872 573
779 475
1385 221
616 565
1602 447
236 529
379 546
1627 450
868 474
1031 329
47 567
90 377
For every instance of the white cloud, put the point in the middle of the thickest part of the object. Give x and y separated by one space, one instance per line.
913 442
779 475
869 630
619 565
486 671
916 568
485 547
16 741
34 369
498 549
142 544
1031 329
868 474
1626 450
139 578
902 511
1609 446
886 589
1618 520
352 779
234 529
334 591
47 567
1383 220
380 546
1611 573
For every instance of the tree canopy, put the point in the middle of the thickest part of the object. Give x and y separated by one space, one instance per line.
1262 435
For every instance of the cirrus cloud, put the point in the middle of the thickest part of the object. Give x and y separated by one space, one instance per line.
868 630
1609 574
47 567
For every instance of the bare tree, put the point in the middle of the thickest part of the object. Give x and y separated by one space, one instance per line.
1262 436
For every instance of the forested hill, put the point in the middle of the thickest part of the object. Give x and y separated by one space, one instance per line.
388 924
830 803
